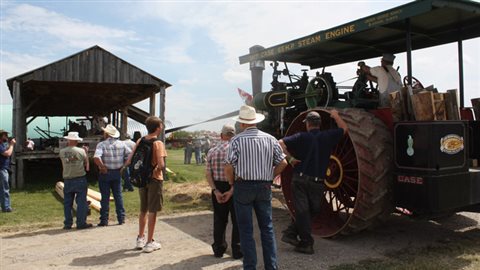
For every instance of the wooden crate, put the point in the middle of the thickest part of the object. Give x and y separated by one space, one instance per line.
423 106
439 106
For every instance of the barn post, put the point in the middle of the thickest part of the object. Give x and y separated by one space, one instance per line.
162 110
152 103
18 132
124 127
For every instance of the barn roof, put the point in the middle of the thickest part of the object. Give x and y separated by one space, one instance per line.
432 22
92 81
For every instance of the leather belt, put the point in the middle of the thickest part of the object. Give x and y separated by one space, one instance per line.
311 178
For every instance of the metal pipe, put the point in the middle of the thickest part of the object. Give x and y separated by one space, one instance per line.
256 69
409 50
460 71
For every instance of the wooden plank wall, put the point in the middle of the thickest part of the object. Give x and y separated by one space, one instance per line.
94 65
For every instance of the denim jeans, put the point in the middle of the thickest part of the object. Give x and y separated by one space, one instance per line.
198 155
248 196
4 190
106 182
307 197
75 188
126 181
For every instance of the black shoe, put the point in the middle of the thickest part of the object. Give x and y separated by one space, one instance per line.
304 248
237 255
9 210
131 189
67 227
102 224
84 226
218 250
121 222
290 239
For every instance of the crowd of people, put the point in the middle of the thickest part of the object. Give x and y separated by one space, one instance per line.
240 170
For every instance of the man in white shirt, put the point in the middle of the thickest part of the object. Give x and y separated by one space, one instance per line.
387 78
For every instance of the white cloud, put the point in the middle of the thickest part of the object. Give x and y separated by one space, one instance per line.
236 26
13 64
70 32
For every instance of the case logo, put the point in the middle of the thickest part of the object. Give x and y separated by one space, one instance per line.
410 179
451 144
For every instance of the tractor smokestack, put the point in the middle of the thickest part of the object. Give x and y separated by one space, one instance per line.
257 67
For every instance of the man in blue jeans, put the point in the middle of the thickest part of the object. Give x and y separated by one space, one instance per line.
6 150
75 165
253 160
110 156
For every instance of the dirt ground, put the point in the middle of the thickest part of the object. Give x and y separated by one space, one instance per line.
186 240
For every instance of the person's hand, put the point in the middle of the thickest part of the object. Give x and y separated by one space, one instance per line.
334 113
13 141
103 170
227 195
85 147
218 196
294 162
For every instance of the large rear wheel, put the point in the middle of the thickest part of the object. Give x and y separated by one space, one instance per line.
358 179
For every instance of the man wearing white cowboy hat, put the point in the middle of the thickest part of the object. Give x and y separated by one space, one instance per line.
110 156
6 150
75 165
253 160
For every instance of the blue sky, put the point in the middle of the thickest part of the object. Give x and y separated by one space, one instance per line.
195 45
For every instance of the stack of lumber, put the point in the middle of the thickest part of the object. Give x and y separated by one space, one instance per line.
424 104
93 196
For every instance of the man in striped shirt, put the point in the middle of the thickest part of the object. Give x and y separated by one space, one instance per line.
215 175
110 156
254 158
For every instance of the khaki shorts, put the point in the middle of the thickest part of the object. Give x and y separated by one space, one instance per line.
151 197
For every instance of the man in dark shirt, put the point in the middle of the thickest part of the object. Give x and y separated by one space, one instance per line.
6 150
312 153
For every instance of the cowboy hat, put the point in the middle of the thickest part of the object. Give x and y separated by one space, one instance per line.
111 131
73 136
3 132
248 115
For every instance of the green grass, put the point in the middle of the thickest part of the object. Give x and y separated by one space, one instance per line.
38 205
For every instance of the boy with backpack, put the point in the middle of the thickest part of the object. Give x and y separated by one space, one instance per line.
147 164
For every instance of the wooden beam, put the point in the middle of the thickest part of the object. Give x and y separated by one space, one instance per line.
161 104
124 127
19 132
31 119
152 104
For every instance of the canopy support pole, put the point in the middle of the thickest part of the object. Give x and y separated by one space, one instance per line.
409 51
460 71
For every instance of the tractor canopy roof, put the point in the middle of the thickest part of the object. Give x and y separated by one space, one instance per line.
431 23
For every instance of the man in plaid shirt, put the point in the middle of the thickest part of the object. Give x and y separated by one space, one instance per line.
221 204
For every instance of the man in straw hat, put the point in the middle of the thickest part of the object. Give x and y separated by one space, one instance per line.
6 150
253 160
387 78
215 175
110 156
75 165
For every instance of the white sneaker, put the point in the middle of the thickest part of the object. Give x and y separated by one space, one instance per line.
152 246
140 242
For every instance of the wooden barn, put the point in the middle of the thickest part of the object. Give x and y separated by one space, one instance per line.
93 82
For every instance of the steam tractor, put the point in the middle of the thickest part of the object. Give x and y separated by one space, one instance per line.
421 167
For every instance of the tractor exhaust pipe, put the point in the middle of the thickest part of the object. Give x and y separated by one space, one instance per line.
256 69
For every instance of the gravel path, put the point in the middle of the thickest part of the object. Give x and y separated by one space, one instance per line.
186 240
